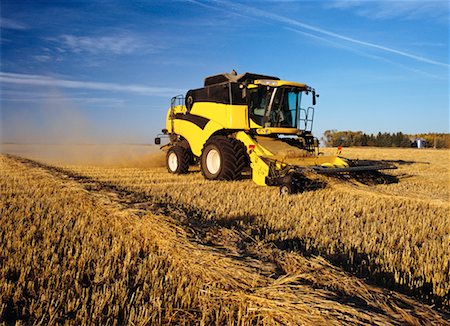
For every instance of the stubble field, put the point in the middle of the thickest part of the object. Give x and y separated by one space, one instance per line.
96 243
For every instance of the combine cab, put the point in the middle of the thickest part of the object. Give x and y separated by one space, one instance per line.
250 120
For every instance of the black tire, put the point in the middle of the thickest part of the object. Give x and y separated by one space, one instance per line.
177 160
287 189
288 185
223 159
242 159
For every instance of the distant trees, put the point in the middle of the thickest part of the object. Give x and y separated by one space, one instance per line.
335 138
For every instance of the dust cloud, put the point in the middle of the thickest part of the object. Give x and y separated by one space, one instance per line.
141 156
56 131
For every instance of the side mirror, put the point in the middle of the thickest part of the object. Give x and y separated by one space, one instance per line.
157 141
313 98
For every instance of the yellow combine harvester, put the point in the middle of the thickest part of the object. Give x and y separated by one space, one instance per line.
250 120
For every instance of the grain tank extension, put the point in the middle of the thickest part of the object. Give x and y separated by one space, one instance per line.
253 122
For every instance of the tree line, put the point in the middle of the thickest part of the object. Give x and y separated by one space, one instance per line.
333 138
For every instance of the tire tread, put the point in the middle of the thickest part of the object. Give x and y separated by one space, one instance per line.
183 157
234 157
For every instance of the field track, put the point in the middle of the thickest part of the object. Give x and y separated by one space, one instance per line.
234 267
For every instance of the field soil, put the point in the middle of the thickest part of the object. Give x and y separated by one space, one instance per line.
122 241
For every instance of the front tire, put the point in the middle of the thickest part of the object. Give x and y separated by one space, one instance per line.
177 160
223 159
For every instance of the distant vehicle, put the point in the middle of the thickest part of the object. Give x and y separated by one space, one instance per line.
419 143
254 120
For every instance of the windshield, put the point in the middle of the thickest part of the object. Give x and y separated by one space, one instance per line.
275 107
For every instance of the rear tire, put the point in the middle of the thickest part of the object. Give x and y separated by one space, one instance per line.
223 159
177 160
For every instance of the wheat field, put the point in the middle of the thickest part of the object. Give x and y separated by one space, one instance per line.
101 244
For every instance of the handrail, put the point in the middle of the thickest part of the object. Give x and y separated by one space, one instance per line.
175 101
306 123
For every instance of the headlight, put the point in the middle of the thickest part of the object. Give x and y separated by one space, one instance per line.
267 82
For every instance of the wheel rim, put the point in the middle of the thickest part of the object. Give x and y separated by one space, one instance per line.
284 190
213 161
173 162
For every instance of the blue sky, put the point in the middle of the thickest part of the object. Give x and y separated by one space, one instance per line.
105 71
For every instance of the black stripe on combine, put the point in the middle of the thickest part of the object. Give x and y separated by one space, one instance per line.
195 119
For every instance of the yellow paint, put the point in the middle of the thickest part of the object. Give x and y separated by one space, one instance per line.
254 125
285 131
221 116
260 170
325 161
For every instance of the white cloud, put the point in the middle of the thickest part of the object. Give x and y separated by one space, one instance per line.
39 80
89 49
12 24
252 11
42 58
342 4
96 45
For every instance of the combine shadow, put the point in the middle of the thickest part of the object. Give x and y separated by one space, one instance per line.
375 178
308 184
403 162
371 178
